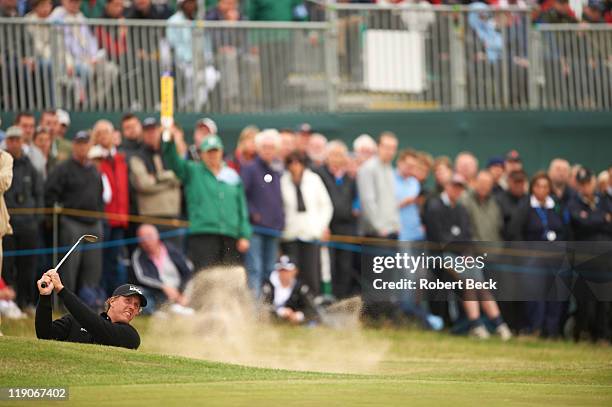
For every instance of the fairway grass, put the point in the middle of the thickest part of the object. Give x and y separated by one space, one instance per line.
419 368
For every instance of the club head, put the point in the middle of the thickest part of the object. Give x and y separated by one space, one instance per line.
90 238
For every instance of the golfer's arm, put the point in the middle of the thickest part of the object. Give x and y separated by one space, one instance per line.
46 328
104 332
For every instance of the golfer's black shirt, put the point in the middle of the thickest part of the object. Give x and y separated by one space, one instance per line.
82 324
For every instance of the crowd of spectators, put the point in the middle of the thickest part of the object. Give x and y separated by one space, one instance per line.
280 192
549 11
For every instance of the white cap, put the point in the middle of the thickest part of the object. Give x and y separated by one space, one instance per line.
63 117
208 122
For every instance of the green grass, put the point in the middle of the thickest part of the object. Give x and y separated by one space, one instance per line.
419 368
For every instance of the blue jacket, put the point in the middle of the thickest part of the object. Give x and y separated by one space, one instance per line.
264 199
147 274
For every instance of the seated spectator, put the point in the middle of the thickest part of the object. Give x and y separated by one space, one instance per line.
555 12
8 8
93 8
161 269
83 58
40 34
113 38
289 299
146 10
225 10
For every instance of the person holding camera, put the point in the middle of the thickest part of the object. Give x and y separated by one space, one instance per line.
82 324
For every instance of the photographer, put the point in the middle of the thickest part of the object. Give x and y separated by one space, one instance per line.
83 325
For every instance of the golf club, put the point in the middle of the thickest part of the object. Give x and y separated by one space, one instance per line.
88 238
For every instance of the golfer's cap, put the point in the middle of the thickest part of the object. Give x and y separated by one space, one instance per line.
81 137
284 263
209 124
458 179
63 117
211 143
126 290
14 132
96 152
149 122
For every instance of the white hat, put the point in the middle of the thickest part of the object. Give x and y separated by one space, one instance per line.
209 123
63 117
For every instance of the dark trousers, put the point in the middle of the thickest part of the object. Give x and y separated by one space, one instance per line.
545 317
208 250
343 273
112 275
307 257
84 267
20 272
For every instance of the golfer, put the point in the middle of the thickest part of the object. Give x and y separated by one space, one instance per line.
83 324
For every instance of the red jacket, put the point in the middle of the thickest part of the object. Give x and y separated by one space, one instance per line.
116 171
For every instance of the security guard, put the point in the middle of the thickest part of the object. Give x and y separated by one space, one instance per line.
83 324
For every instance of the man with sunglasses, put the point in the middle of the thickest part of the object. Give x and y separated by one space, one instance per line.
84 325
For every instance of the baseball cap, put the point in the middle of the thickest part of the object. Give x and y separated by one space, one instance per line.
126 290
81 137
14 131
209 123
63 117
513 155
458 179
493 161
584 175
149 122
211 143
284 263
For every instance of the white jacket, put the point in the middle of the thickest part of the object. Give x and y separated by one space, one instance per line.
312 223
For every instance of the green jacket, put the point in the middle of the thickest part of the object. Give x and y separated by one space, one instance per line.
215 205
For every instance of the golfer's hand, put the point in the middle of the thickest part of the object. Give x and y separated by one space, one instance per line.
48 289
55 280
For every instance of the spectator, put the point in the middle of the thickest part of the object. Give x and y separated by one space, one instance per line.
131 130
593 12
279 10
315 151
591 217
423 166
76 184
83 58
225 10
303 133
288 143
540 219
94 8
42 140
495 166
158 189
161 269
8 8
114 167
342 190
26 192
6 178
288 298
308 212
556 12
466 164
147 10
262 186
408 189
443 170
365 148
603 182
513 162
219 230
510 199
27 123
376 183
246 150
203 128
559 174
40 36
61 149
113 39
486 219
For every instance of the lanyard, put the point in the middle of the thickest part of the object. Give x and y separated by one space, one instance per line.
543 217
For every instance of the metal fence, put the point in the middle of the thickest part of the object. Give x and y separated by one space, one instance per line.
362 57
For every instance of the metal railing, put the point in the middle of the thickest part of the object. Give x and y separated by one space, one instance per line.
362 57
